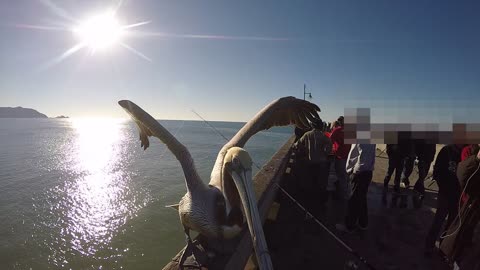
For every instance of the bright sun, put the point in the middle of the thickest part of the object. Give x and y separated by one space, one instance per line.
100 31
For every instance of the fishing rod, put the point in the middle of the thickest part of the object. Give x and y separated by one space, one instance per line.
349 264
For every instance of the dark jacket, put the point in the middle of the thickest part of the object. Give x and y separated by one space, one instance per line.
445 168
393 150
424 151
406 144
465 170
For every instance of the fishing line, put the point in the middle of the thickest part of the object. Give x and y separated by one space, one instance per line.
219 133
174 135
206 122
348 248
310 215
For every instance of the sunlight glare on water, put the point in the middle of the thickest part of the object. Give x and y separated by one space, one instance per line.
96 199
95 194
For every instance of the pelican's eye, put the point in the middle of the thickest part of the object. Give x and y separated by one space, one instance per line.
236 162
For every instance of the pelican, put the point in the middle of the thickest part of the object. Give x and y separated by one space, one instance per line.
217 210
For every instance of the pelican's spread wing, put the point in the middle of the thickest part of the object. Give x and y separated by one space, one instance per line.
281 112
148 126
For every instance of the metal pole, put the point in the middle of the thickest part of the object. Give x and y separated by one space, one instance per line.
305 92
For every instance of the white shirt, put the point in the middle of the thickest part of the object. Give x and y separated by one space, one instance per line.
361 158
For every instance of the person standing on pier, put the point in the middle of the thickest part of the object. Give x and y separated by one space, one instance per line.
360 165
458 243
340 152
316 147
425 153
445 173
407 146
395 165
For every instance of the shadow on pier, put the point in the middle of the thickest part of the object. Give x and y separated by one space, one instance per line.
394 239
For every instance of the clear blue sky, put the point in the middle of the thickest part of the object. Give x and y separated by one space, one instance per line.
409 60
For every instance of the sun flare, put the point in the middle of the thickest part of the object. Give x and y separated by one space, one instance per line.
100 31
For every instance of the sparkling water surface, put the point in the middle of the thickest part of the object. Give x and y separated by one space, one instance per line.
82 194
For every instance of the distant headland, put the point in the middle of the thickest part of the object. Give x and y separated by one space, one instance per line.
19 112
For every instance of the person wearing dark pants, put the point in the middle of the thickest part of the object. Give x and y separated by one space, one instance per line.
444 172
395 165
357 205
360 164
425 153
318 174
316 148
407 147
340 152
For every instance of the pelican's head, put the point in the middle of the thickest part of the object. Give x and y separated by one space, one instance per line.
238 163
237 160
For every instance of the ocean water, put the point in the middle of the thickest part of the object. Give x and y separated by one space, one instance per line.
82 194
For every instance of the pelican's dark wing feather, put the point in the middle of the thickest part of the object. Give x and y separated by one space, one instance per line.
148 126
281 112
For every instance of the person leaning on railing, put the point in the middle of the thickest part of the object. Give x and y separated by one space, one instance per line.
316 148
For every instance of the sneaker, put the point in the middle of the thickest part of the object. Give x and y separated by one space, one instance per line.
343 228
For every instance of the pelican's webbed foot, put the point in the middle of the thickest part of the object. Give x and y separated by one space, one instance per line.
187 250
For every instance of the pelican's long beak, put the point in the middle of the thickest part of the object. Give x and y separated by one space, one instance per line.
243 181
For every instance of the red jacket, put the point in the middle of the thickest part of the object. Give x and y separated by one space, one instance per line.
469 150
340 150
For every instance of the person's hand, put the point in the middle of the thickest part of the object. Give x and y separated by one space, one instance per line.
478 154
